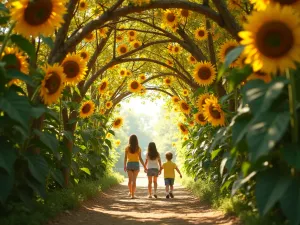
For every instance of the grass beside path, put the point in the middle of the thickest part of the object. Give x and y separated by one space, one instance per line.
60 201
210 193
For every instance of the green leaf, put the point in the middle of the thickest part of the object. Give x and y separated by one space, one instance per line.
245 168
24 44
240 182
7 183
233 55
86 170
241 124
112 132
8 156
17 107
270 187
3 8
68 135
291 153
215 153
237 76
38 111
4 20
290 203
15 74
58 176
38 167
48 140
38 187
265 131
108 142
48 41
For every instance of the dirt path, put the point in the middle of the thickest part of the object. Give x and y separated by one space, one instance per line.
115 208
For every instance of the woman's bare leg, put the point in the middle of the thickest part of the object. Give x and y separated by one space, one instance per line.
150 185
155 184
130 179
133 188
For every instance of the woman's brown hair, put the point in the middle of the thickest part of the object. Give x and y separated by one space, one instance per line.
133 144
152 151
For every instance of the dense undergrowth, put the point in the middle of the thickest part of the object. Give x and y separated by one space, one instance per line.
58 201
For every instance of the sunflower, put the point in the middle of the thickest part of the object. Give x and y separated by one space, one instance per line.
170 18
82 6
184 13
136 43
184 130
191 123
225 49
170 48
175 99
134 86
87 109
103 32
52 84
204 73
143 90
123 72
201 100
176 49
128 73
184 107
185 92
84 55
90 37
122 49
266 77
74 68
108 104
118 122
132 34
102 111
199 118
117 142
192 59
271 39
234 4
20 64
168 81
142 77
169 62
37 17
261 5
241 61
213 113
119 38
103 86
201 34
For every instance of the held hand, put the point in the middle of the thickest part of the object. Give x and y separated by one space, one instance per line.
125 168
180 176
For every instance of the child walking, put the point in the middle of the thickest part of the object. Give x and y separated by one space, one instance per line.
169 174
153 164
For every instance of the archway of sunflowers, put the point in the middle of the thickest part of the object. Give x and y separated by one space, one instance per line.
84 57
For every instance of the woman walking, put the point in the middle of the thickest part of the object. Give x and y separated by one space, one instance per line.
131 163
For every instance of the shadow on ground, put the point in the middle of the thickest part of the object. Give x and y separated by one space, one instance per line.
115 208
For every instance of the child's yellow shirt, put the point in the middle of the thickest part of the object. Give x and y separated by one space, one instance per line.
169 169
132 157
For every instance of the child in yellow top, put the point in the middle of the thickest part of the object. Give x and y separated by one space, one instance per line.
169 174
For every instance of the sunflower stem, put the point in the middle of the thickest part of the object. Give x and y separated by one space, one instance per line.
6 38
35 93
293 106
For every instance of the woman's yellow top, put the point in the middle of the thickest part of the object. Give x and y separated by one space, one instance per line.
132 157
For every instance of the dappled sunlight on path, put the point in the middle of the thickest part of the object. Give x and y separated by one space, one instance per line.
115 208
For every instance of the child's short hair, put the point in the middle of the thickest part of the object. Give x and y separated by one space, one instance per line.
169 155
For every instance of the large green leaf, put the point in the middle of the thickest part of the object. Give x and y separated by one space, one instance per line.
15 74
38 187
290 203
58 176
7 182
270 187
241 181
38 167
233 55
108 142
38 111
24 44
291 153
4 20
48 139
240 125
237 76
86 170
17 107
48 41
8 156
265 131
3 8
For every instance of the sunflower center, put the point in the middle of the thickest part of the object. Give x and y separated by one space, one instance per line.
134 85
185 106
201 33
201 117
86 108
89 36
12 62
203 101
53 83
71 69
229 49
103 86
82 4
192 59
214 113
108 104
83 55
136 45
286 2
182 127
171 17
260 74
122 72
204 73
131 33
117 122
185 13
274 39
123 50
38 12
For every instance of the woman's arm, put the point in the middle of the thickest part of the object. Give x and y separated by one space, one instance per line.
125 161
146 161
159 163
141 160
